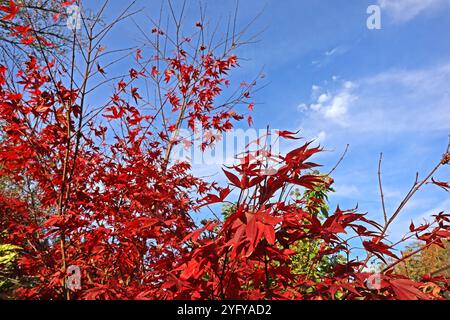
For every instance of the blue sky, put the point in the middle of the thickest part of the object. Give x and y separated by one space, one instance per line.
331 77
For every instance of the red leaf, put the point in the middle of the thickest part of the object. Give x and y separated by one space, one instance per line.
11 10
193 236
154 72
251 226
135 94
22 30
232 178
406 290
211 198
138 54
307 181
55 17
269 234
288 135
443 185
98 292
133 73
68 3
167 75
101 70
54 221
121 85
224 193
378 248
268 219
302 153
42 108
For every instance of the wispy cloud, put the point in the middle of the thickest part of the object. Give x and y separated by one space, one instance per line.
330 54
334 104
376 113
405 10
394 101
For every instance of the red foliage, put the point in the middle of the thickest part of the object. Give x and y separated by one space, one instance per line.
10 10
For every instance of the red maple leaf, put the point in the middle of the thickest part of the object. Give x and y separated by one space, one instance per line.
11 10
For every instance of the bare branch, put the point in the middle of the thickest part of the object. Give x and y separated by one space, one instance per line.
380 185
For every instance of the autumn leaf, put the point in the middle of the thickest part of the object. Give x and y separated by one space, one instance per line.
138 55
135 94
11 10
232 178
101 70
154 72
68 3
405 289
379 249
443 185
288 134
167 75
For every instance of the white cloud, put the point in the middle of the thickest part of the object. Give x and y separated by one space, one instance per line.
315 106
394 101
349 85
324 97
333 106
302 107
339 106
330 52
405 10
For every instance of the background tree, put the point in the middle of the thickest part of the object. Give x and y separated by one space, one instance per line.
316 202
8 256
433 260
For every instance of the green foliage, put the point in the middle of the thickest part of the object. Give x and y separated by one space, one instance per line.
305 262
8 256
227 210
315 200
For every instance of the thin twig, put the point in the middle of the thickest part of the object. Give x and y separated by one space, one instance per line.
340 160
380 185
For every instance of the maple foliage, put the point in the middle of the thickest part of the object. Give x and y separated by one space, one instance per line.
10 10
109 200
